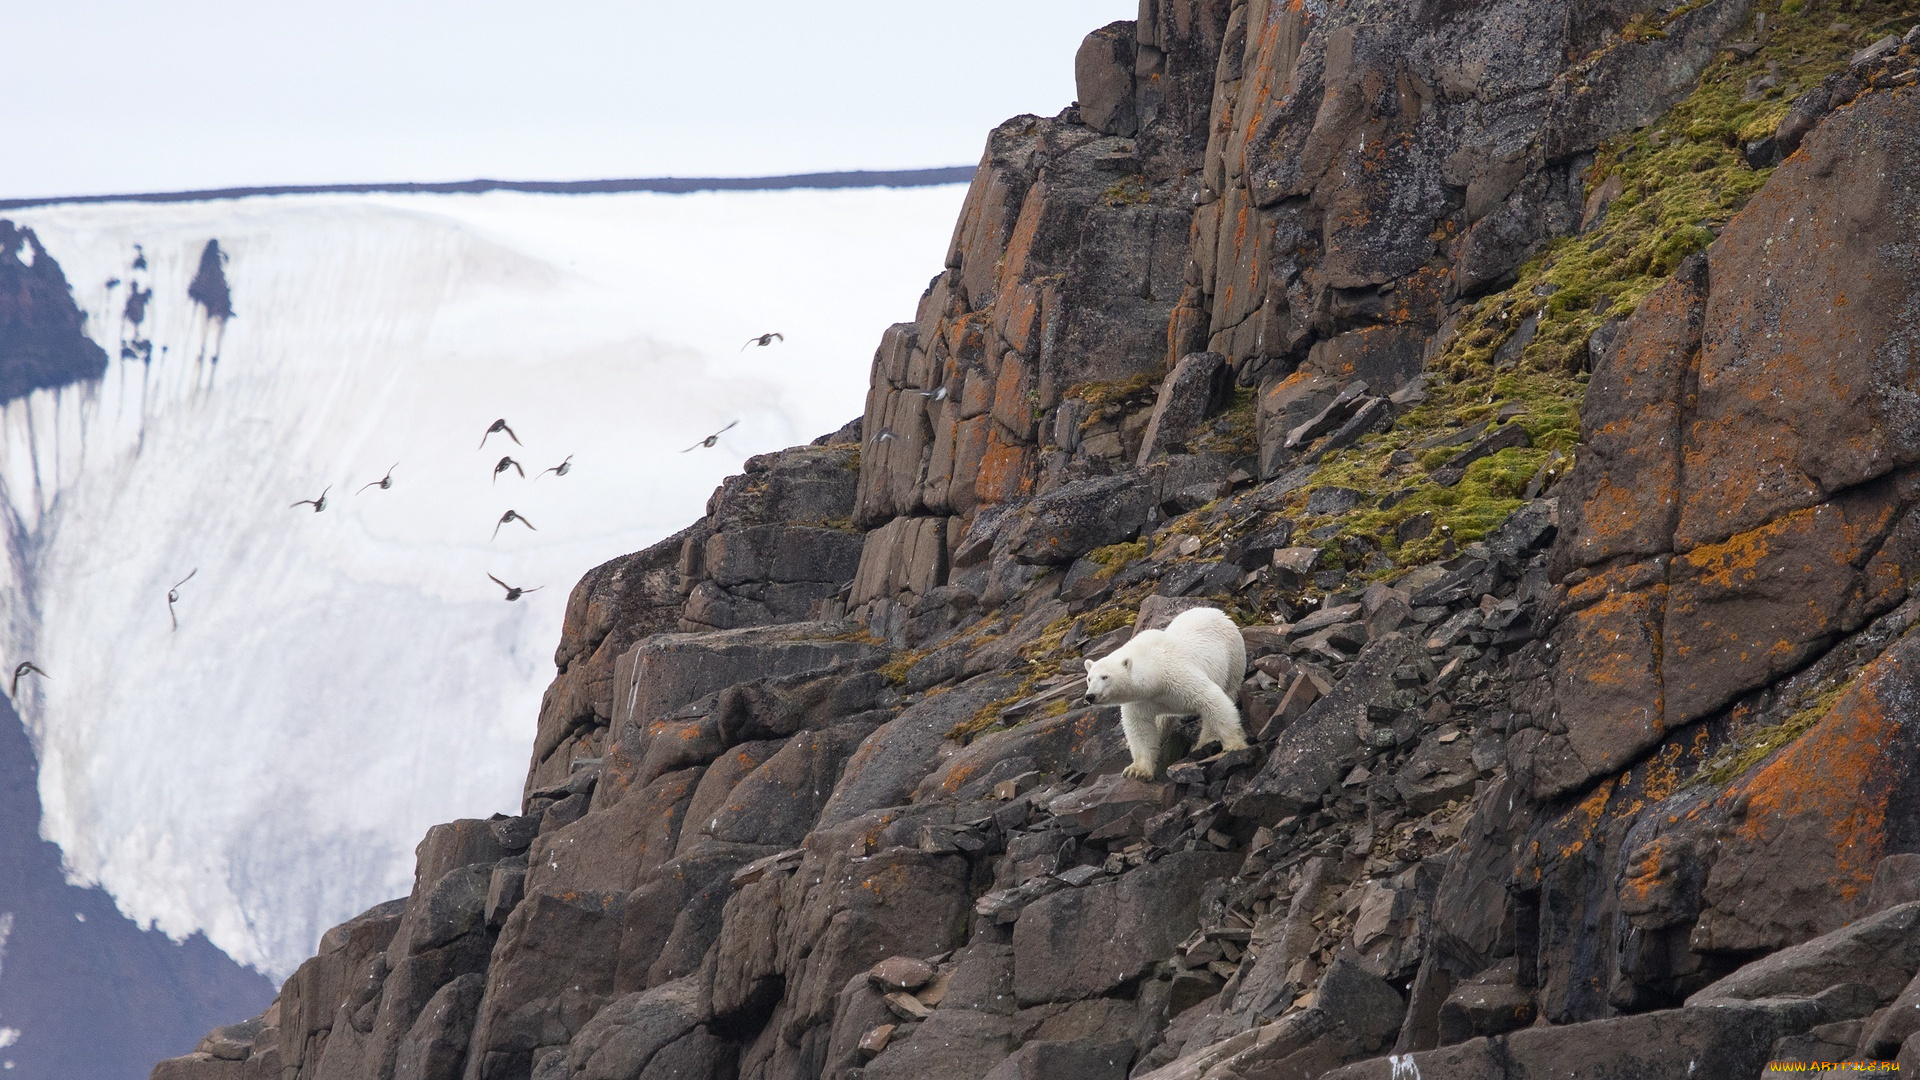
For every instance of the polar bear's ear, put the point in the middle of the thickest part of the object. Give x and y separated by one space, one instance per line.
1089 664
1127 662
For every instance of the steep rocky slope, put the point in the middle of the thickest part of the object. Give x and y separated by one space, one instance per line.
1532 382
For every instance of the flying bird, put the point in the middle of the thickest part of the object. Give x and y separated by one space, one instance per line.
511 515
318 504
763 340
513 593
384 482
711 439
503 465
883 436
933 395
500 425
561 469
173 596
23 668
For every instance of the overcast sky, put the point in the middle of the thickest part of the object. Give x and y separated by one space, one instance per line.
120 96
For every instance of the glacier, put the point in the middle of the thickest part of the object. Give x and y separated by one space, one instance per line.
340 681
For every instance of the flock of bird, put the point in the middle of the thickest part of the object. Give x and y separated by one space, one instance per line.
498 427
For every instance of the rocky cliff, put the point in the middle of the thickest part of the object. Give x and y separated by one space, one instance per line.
1535 383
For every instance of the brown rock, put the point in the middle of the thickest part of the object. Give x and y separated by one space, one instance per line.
900 973
1187 395
875 1040
1083 942
1103 77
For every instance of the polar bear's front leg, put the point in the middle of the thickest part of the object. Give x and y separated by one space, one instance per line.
1220 720
1141 723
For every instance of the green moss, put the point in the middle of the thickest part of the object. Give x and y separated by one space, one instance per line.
1749 751
1130 190
1106 400
1235 433
895 670
1118 555
987 717
1109 618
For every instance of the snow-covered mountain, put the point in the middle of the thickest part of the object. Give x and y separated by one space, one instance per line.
340 681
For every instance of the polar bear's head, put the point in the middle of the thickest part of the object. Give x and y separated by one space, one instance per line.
1109 679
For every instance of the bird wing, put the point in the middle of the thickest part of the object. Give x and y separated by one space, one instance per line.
518 469
522 519
536 588
496 530
371 483
511 435
500 583
188 578
779 335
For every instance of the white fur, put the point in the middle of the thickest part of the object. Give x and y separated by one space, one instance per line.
1193 667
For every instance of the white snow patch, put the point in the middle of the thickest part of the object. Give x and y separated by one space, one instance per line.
341 681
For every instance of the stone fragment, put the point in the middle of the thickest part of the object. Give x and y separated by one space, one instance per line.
435 1048
1103 78
778 803
875 1040
1299 561
1187 395
900 973
1487 1005
905 557
1083 942
1436 774
1882 951
551 970
1333 500
1896 880
1370 1008
1875 51
1314 752
667 671
1077 517
1455 469
952 1044
625 1036
907 1007
889 763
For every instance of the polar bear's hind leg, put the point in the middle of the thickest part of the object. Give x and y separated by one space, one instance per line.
1220 720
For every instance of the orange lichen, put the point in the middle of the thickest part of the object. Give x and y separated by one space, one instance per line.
1840 775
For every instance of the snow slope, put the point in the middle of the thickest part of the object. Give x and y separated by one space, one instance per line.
340 681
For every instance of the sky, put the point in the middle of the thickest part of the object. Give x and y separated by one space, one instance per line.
122 96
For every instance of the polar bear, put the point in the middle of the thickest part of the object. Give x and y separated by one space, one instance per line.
1193 666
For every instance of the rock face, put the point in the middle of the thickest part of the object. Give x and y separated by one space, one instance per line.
42 343
1604 772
